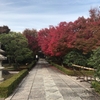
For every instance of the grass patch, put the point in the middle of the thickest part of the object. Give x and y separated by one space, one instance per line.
20 67
73 72
84 73
11 67
63 69
96 86
7 76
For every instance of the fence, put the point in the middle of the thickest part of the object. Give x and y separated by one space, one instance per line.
81 74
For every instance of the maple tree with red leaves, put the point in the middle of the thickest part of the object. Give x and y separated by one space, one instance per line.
44 40
31 35
57 41
82 34
88 32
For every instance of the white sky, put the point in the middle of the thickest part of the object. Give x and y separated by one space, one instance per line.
21 14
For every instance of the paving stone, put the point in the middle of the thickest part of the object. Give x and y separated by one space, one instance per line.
38 84
60 85
37 98
85 93
90 98
51 90
79 90
37 93
20 97
54 96
75 98
67 92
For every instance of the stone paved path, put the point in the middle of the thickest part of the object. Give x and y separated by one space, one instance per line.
44 82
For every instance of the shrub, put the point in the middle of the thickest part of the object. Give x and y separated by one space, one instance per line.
75 57
31 65
8 86
94 61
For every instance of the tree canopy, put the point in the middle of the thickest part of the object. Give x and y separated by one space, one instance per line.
16 47
56 41
4 29
83 34
31 36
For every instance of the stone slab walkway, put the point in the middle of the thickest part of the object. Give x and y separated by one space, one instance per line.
44 82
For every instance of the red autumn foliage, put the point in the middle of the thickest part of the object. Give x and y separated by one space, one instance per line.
88 33
82 34
56 41
31 35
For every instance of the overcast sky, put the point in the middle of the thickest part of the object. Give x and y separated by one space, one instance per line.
21 14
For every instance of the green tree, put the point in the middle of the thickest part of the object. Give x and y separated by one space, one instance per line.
4 29
94 61
16 47
75 57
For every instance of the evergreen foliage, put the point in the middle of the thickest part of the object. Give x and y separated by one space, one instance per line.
75 57
94 61
16 48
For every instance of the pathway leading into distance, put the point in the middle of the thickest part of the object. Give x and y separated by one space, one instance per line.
44 82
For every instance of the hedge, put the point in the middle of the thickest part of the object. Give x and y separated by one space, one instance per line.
9 85
31 65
